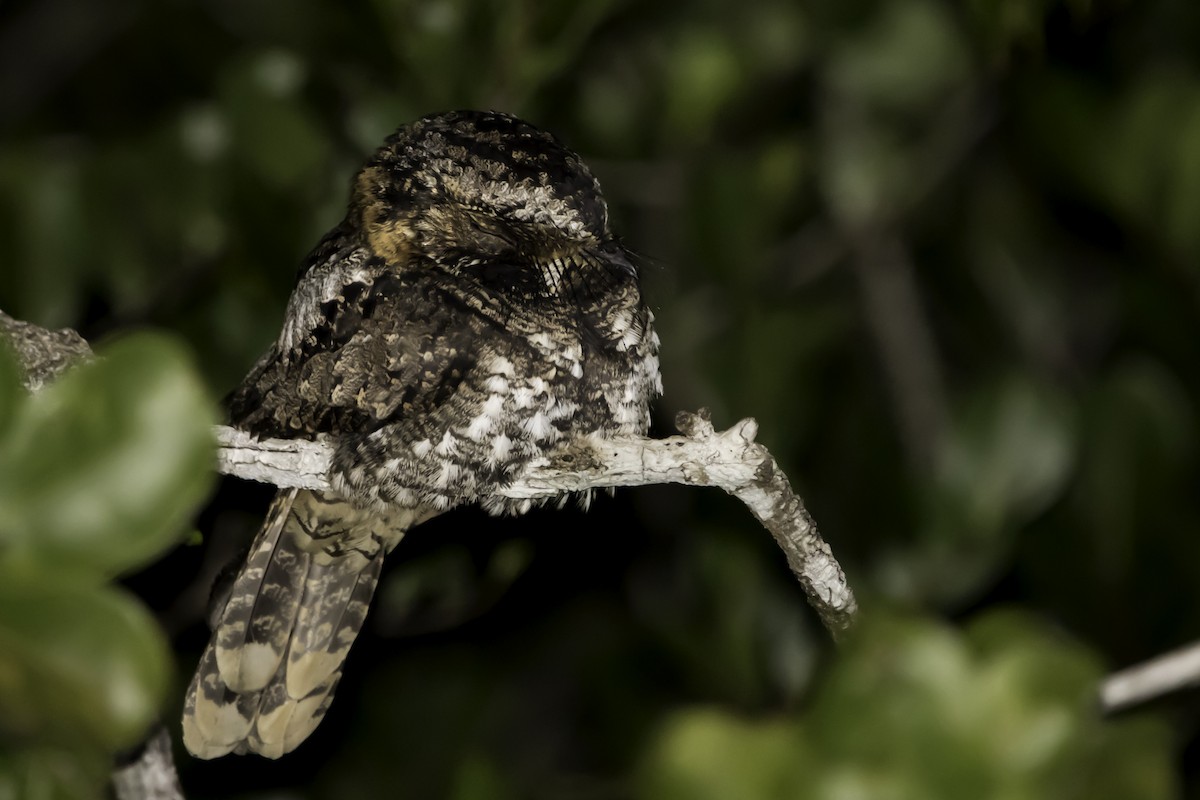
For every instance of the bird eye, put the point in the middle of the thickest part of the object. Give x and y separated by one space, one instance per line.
487 241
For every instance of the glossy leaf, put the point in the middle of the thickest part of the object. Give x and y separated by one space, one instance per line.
100 471
79 665
46 773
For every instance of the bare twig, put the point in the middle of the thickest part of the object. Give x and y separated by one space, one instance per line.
150 775
896 317
1143 682
42 354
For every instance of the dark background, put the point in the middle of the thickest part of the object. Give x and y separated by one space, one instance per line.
947 255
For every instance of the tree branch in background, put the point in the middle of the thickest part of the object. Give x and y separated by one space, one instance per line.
1151 679
899 326
42 354
150 774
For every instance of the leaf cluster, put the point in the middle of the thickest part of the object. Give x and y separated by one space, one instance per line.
99 474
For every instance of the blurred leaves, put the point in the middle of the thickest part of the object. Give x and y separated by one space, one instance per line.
272 131
911 709
84 666
1140 424
446 589
888 89
1137 150
99 472
905 60
50 773
728 620
705 74
479 779
1006 458
1009 454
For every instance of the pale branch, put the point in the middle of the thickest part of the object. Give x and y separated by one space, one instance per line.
150 773
1151 679
730 460
286 463
42 354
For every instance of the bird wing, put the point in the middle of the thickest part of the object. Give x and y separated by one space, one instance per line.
385 350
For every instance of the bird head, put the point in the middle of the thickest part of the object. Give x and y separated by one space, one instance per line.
492 199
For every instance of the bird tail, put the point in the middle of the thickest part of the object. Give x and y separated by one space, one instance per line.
268 674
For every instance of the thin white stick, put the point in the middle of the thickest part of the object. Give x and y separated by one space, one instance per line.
1143 682
151 775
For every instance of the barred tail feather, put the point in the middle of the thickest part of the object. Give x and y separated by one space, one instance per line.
284 721
269 672
215 720
254 629
328 624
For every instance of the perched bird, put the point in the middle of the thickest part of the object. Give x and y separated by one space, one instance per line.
472 312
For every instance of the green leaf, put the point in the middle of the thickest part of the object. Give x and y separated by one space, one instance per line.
915 710
477 778
1010 452
1006 458
12 393
100 471
703 75
54 774
80 666
273 132
910 56
706 754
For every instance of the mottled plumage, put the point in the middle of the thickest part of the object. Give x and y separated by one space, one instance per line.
471 312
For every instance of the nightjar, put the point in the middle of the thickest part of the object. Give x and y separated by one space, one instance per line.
472 312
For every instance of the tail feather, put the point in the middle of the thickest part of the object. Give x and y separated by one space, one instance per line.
270 670
331 616
215 720
254 628
284 722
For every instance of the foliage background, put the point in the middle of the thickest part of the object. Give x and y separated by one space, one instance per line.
946 253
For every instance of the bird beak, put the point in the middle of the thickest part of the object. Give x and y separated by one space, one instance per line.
618 261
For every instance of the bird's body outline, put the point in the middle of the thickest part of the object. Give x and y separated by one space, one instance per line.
472 313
